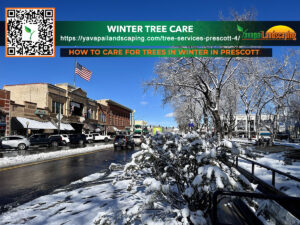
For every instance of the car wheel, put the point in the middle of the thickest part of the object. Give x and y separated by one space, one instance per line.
21 146
64 143
106 139
89 141
54 143
81 142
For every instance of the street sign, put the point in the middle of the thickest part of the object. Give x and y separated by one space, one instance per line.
191 125
59 116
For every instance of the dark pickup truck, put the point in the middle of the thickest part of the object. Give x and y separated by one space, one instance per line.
44 139
77 139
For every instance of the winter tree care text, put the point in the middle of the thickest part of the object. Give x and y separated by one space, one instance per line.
150 29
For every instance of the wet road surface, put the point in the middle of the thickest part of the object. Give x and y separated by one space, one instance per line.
21 185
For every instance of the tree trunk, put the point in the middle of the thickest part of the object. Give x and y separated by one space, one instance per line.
218 124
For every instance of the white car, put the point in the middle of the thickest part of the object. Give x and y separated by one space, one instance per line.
89 138
64 138
138 139
99 137
16 141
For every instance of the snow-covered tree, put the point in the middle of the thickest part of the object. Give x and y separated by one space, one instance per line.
185 172
201 79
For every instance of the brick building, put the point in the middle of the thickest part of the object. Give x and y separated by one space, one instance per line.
117 116
4 112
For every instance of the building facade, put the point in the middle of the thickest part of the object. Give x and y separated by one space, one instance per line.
4 112
240 122
67 107
117 116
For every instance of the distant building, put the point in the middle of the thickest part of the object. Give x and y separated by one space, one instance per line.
140 122
140 127
240 124
117 116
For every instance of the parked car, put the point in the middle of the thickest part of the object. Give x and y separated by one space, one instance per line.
15 141
89 138
138 139
123 142
78 139
283 136
64 137
44 139
100 137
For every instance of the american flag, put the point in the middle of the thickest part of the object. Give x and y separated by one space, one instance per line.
82 71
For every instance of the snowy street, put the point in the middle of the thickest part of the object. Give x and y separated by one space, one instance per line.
23 184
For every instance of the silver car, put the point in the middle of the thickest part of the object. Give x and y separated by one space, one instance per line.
16 141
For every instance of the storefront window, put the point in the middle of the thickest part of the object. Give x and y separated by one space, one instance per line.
56 106
241 124
76 109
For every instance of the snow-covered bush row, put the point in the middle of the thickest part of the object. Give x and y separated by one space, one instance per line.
184 171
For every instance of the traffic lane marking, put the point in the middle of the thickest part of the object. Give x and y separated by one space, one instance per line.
49 160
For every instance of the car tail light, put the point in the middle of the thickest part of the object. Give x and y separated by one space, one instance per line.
125 139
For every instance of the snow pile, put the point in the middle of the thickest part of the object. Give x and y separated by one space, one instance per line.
276 161
13 161
182 172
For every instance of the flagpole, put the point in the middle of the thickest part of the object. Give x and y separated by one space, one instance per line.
75 73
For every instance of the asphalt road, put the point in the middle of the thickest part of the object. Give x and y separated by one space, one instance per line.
21 185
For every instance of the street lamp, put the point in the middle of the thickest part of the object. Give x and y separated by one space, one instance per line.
27 124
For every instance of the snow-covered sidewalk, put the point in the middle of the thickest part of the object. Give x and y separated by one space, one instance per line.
101 198
286 143
242 140
247 141
276 161
17 160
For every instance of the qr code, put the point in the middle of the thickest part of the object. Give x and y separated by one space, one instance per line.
30 32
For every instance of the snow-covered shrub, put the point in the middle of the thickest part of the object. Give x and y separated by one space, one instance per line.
185 171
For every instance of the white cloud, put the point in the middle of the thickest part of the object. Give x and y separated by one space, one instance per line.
169 115
144 103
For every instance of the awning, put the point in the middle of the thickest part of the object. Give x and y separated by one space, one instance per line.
112 129
35 125
90 127
66 126
75 104
100 128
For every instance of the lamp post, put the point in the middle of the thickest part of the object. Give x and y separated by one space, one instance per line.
27 124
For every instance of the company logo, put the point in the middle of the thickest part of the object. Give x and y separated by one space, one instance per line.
279 33
30 32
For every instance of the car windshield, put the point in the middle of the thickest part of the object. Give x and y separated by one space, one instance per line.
120 137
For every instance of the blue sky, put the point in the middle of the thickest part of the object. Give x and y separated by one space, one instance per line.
120 79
